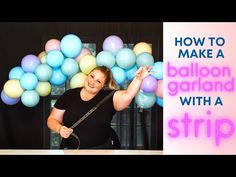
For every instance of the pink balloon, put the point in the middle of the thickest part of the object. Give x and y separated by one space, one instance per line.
84 51
52 44
159 90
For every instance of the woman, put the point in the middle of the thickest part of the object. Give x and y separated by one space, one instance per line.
95 130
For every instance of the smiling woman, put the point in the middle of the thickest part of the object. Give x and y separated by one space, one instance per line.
33 132
99 93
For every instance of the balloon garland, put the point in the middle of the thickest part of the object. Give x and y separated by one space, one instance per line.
68 59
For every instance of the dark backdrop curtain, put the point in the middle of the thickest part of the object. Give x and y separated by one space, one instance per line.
25 128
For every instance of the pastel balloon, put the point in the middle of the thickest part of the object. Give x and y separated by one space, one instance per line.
159 89
52 44
29 81
43 72
87 64
58 77
142 47
13 89
118 74
55 58
43 88
125 58
78 80
69 67
16 73
43 59
149 84
130 73
105 58
7 100
71 45
29 63
145 100
84 51
30 98
41 54
159 101
157 70
144 59
113 44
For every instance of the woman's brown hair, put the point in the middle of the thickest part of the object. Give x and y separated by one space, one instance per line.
110 83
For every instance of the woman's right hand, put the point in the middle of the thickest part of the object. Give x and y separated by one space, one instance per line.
65 132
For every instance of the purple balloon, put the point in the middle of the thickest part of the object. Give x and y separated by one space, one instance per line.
149 84
8 100
29 63
113 44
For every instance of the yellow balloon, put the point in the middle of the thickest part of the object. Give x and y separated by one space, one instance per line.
43 53
87 63
43 59
13 89
43 88
78 80
142 47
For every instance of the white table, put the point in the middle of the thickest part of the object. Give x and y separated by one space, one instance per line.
79 152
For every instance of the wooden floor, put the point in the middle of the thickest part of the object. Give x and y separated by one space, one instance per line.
79 152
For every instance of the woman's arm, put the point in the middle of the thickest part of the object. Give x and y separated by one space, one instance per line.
55 119
55 123
122 98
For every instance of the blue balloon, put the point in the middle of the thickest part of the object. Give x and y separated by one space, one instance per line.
118 74
54 58
130 73
58 77
157 70
71 45
28 81
159 101
70 67
16 73
144 59
145 100
125 58
105 58
7 100
30 98
43 72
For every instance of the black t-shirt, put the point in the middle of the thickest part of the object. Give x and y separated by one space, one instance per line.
95 129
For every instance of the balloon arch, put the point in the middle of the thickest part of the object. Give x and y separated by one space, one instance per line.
69 60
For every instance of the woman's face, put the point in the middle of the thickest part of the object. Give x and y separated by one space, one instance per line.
95 81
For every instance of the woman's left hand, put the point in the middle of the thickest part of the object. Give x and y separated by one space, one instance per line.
143 72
